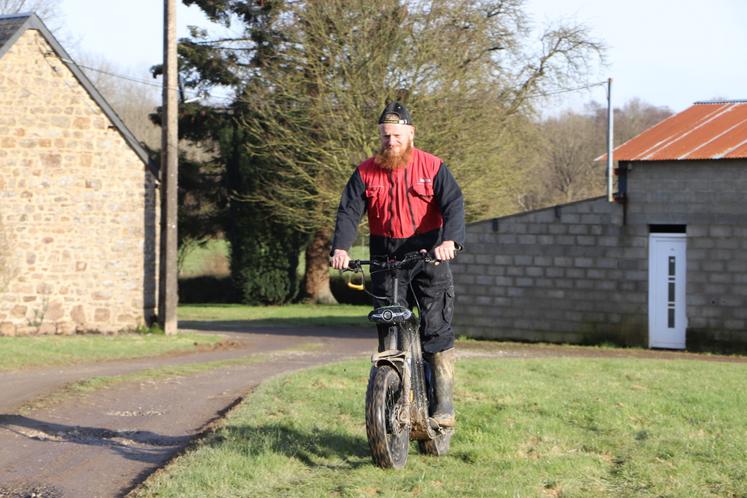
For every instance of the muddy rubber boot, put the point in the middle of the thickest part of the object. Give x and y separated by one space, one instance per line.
443 377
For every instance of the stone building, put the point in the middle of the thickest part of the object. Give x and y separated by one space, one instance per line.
77 197
664 266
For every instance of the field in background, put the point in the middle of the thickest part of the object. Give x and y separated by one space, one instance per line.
213 259
526 427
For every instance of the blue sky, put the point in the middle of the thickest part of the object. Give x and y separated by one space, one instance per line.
666 53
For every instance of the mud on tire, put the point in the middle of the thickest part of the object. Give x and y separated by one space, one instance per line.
388 439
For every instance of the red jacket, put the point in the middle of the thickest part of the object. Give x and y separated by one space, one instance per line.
400 202
410 208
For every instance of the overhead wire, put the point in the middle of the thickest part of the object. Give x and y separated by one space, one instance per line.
567 90
195 94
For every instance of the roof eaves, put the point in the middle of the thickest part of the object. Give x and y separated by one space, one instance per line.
34 22
19 30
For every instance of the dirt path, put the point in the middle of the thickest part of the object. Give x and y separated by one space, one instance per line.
105 442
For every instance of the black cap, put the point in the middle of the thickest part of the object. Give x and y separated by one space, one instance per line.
395 113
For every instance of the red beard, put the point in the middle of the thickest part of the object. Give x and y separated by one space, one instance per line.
388 159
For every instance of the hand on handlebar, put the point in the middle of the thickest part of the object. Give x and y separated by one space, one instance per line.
446 251
340 259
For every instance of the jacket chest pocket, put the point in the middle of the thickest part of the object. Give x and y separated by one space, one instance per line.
423 191
375 200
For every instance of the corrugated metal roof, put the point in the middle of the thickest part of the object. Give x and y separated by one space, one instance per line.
706 130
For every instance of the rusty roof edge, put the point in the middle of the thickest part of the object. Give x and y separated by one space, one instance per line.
728 101
712 139
604 156
729 151
717 112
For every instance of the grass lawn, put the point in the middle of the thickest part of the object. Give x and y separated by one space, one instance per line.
527 427
209 259
304 315
35 351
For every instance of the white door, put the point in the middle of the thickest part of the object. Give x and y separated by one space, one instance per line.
667 318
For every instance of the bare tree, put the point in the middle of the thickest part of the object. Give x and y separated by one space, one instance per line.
48 10
463 66
566 169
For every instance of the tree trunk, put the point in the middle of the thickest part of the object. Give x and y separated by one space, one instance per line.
317 268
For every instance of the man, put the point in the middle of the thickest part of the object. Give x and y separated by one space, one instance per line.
413 203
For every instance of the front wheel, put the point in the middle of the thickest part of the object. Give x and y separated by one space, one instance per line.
388 437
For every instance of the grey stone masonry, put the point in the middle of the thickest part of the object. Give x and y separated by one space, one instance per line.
579 272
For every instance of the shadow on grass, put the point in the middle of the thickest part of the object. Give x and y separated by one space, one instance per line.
316 448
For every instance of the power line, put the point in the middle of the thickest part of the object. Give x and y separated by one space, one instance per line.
567 90
114 75
141 82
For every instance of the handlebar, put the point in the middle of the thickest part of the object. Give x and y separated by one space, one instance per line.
355 265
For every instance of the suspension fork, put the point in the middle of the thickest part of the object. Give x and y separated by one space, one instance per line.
399 358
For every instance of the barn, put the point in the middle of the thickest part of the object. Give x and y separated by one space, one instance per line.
664 266
78 216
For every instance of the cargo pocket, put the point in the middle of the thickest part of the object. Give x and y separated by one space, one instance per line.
448 309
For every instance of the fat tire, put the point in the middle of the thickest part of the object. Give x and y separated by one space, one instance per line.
438 446
389 441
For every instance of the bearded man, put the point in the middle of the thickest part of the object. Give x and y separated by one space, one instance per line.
413 204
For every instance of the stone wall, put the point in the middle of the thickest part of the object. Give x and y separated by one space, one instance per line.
579 272
77 205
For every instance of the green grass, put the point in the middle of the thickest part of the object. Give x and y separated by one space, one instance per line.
538 427
304 315
93 384
208 259
36 351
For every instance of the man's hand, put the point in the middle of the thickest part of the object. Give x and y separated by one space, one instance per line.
445 251
340 259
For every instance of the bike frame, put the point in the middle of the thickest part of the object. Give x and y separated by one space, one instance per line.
406 357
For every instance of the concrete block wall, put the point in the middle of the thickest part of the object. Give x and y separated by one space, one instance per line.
579 272
709 198
571 273
77 205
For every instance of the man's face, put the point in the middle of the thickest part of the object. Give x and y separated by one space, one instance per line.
396 138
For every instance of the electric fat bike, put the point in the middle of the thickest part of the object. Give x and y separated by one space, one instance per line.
400 396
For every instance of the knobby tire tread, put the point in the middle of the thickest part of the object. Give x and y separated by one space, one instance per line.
389 445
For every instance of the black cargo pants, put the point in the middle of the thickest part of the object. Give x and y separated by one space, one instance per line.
433 288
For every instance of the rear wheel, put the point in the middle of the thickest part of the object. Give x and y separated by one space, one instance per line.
388 437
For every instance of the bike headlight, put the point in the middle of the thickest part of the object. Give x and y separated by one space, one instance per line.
387 315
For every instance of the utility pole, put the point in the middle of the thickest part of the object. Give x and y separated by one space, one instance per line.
610 143
167 281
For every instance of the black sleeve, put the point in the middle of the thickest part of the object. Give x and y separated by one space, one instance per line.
451 202
349 213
